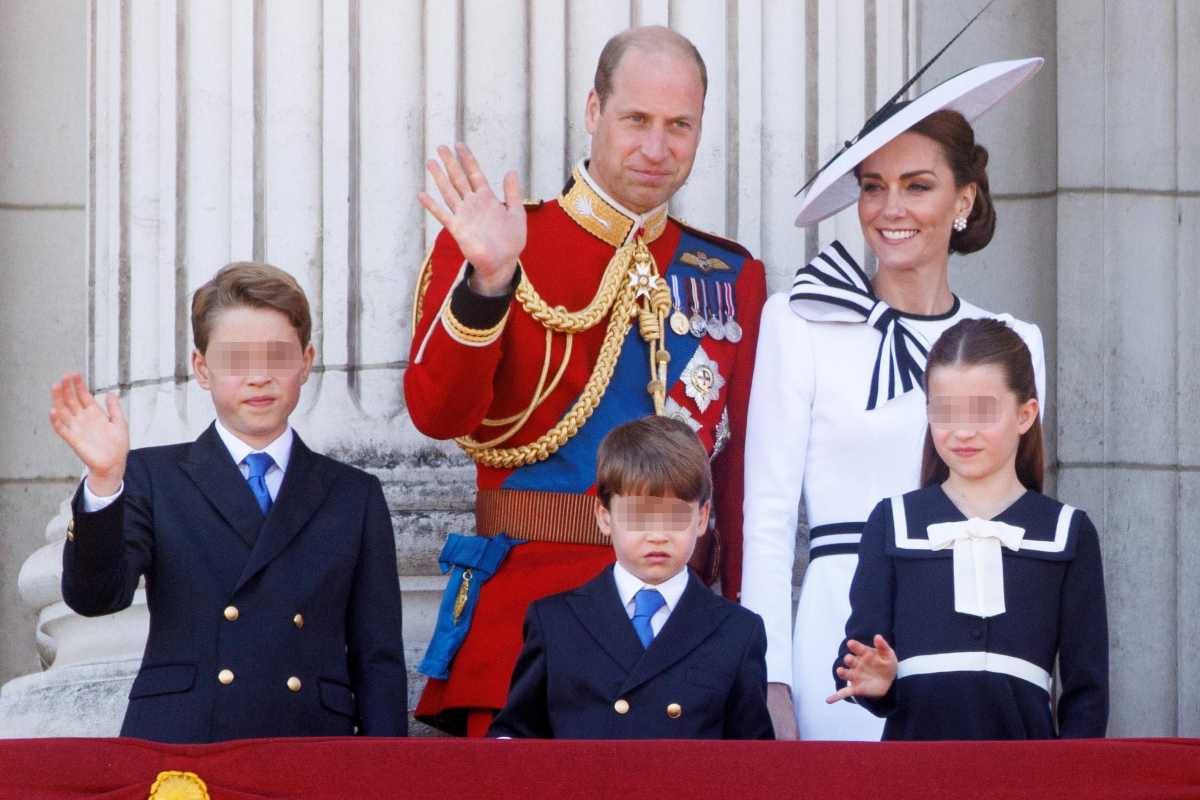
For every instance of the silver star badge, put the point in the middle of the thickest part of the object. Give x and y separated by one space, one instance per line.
675 411
702 379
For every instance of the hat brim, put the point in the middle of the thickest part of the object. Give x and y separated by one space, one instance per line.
970 93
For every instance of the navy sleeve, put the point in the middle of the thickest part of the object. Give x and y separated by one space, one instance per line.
1083 640
872 597
111 548
526 713
481 311
375 645
746 715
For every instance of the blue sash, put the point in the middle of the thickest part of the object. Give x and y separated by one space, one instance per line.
470 560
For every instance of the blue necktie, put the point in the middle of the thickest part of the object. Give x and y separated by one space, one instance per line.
645 603
259 463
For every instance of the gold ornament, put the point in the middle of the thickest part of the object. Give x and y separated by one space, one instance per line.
630 287
174 785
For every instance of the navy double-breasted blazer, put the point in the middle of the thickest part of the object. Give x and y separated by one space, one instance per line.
583 673
288 626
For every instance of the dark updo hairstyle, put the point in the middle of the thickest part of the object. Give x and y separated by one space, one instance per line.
968 161
976 342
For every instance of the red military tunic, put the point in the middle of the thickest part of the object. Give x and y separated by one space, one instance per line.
475 358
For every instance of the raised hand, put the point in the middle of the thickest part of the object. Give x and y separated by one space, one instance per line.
100 440
489 232
868 671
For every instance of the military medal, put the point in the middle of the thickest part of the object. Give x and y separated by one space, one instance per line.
697 321
733 331
679 320
715 328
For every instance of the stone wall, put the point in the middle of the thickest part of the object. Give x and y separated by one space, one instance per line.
1128 232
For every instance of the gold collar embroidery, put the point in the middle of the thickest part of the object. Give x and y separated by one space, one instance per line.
603 217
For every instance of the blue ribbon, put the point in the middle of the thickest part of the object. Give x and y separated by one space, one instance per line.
470 560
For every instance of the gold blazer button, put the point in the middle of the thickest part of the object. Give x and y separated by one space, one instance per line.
225 676
232 613
293 683
621 706
674 711
298 620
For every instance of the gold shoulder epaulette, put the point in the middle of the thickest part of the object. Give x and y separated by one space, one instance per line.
716 238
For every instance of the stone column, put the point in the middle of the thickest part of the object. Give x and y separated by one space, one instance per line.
43 190
296 133
1128 232
234 130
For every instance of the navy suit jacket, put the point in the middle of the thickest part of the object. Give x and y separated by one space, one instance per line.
583 673
314 644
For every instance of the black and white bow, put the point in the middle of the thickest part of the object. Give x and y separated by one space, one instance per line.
833 288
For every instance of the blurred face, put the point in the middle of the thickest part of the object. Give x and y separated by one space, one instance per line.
645 137
908 201
975 420
653 536
254 368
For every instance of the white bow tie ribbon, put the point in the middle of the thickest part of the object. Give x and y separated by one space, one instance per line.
978 565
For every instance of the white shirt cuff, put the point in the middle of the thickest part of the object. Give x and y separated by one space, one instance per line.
92 503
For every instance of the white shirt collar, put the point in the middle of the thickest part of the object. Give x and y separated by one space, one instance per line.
639 220
280 449
629 584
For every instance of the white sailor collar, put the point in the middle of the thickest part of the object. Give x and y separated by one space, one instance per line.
833 288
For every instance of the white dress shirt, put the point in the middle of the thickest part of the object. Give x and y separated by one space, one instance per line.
671 589
280 451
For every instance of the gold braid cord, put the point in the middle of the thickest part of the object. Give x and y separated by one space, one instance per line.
558 318
631 276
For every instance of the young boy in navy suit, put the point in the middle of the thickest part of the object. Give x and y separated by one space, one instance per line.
644 650
270 570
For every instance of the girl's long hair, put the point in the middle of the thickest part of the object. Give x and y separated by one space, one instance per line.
976 342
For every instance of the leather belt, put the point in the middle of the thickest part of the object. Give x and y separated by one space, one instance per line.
561 517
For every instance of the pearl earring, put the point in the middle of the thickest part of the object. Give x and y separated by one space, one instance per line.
960 224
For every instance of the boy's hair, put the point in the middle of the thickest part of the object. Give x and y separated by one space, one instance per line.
253 284
656 456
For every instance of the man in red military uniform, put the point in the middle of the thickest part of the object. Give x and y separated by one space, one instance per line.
538 327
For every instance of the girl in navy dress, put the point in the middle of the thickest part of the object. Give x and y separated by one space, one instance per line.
968 589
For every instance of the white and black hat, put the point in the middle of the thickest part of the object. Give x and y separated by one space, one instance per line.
970 93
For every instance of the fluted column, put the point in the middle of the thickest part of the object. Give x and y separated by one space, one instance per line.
1129 229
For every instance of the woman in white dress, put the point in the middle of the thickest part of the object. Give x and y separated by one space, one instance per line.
837 412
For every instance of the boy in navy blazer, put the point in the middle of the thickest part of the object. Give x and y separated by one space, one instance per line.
645 650
270 569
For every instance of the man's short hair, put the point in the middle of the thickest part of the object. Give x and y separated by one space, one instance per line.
651 38
656 457
252 284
